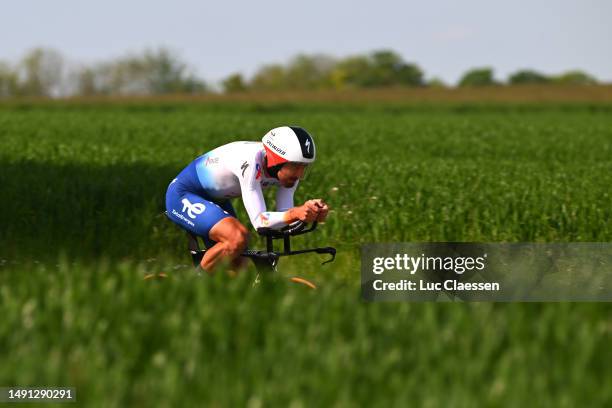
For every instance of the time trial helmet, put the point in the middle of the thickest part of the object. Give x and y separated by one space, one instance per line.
289 144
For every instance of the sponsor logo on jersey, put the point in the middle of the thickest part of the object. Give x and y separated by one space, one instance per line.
192 209
277 149
258 168
182 217
265 221
244 167
211 160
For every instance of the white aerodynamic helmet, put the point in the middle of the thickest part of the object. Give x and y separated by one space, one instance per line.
289 144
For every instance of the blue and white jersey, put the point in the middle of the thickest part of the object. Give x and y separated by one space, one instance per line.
237 170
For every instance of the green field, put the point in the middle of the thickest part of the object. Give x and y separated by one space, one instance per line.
83 187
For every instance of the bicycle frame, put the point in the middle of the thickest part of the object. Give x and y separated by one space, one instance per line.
267 260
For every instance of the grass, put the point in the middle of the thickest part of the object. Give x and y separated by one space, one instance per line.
191 341
83 191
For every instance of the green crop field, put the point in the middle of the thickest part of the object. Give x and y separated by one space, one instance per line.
81 224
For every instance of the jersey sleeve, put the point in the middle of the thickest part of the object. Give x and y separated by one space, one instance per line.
253 199
284 197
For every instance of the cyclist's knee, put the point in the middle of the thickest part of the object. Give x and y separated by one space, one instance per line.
238 241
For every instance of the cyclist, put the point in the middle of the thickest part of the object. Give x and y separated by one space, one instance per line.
198 199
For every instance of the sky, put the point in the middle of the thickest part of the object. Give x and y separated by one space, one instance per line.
217 38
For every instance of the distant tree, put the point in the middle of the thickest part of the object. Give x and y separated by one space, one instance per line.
410 75
437 83
9 85
575 77
478 77
152 72
166 73
352 71
378 69
528 76
85 82
310 71
389 68
124 76
105 78
269 77
40 73
193 85
234 83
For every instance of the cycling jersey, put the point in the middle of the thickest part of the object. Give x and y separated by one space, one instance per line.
233 170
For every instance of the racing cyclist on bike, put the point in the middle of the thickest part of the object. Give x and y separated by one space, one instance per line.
198 199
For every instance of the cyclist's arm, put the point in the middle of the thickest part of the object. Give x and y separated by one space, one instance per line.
254 203
256 208
284 197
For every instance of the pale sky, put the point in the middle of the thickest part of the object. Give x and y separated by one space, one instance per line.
444 37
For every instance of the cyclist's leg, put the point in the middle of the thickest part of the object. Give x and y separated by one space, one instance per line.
223 230
199 216
231 239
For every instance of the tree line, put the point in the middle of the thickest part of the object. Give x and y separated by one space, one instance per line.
47 73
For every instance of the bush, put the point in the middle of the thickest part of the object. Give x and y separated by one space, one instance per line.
528 76
478 77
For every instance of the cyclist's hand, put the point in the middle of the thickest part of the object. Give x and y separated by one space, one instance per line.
321 207
307 212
